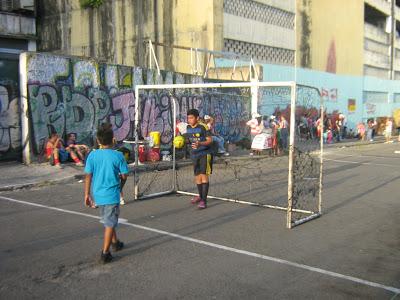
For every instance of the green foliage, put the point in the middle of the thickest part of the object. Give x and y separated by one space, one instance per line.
91 3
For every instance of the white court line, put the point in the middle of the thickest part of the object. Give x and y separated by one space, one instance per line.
361 163
363 156
222 247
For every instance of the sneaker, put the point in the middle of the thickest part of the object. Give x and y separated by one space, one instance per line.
195 199
105 257
202 205
226 154
122 201
59 166
251 154
79 164
117 246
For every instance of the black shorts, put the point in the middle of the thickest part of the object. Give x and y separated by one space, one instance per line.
203 164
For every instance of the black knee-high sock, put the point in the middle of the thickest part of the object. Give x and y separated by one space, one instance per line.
205 191
200 188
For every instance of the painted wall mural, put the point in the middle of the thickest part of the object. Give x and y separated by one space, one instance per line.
70 95
10 130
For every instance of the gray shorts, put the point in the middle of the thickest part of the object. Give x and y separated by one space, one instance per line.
109 215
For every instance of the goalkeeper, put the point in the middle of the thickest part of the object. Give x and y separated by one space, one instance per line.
200 141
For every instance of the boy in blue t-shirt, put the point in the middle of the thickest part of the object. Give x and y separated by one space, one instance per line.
106 173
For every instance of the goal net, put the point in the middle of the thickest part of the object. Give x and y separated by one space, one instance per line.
280 167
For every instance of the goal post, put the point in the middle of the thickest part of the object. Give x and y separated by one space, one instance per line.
240 178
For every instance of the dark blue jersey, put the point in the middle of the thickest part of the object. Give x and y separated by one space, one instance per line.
198 133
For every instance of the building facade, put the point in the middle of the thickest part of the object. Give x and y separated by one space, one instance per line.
365 42
118 31
263 30
17 35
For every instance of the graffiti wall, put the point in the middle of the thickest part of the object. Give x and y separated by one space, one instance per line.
10 136
69 95
276 100
10 130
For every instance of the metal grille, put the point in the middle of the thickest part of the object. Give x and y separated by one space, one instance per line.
6 5
396 98
375 97
259 12
260 52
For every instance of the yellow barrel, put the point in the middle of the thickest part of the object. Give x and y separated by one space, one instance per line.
156 136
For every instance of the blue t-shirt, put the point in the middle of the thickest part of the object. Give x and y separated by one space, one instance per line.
105 165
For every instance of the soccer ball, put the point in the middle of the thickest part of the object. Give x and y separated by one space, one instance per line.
179 142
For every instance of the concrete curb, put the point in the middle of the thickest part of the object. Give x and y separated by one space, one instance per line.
146 168
16 187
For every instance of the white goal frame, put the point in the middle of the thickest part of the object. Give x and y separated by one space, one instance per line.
253 85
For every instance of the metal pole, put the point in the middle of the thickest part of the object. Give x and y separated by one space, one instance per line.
254 97
174 184
291 154
248 203
306 219
25 132
191 61
321 168
392 38
136 149
207 66
217 85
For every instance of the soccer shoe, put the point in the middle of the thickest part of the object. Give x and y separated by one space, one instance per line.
202 205
117 246
105 257
195 200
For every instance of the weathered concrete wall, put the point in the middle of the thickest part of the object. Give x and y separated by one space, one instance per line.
328 38
75 95
116 31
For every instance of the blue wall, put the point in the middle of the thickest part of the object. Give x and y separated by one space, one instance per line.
338 89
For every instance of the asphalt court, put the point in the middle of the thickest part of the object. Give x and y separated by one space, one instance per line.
227 251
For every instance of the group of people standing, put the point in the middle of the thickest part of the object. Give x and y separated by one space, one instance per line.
277 126
332 128
368 131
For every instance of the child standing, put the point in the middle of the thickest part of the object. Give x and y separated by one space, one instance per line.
106 173
388 130
256 127
200 139
361 131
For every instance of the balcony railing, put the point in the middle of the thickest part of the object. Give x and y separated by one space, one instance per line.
15 25
376 34
376 59
381 5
